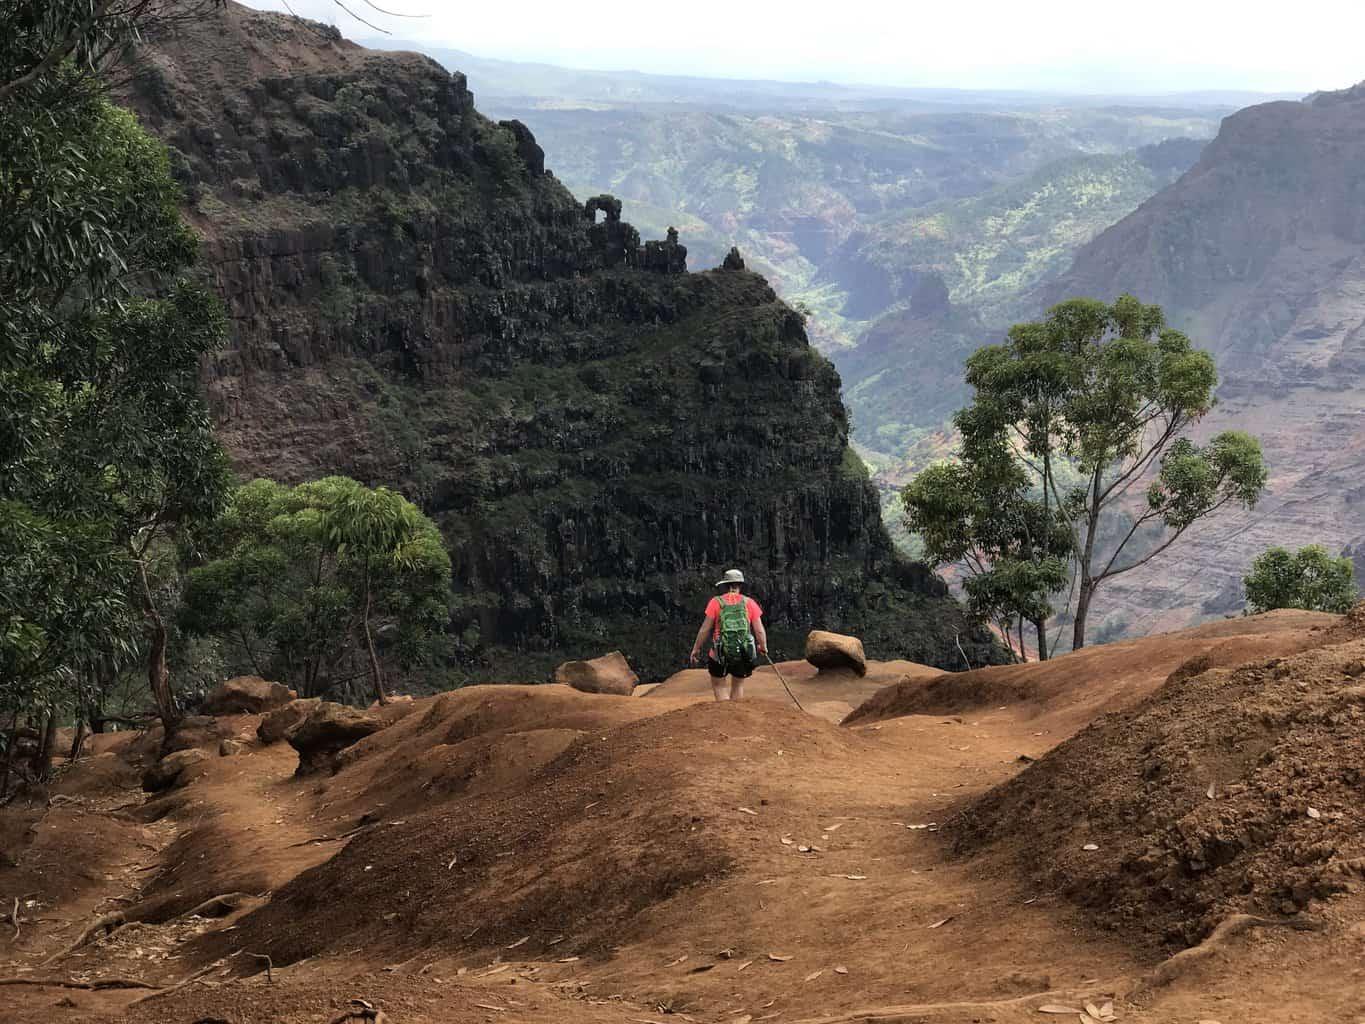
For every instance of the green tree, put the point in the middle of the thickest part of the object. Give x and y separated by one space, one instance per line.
978 513
1309 578
105 444
303 580
1093 401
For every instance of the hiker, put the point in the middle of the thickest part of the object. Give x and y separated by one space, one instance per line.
734 628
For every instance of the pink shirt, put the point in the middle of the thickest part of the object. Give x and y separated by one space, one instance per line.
713 610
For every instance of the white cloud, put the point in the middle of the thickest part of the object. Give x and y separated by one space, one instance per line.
1158 45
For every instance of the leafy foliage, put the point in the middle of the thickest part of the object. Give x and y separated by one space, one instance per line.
1087 404
1309 578
979 513
296 574
105 446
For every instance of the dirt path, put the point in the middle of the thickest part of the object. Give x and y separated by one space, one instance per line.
540 855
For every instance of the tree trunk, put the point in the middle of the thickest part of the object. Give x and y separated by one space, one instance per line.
1041 626
1087 591
78 744
376 676
9 754
158 677
42 759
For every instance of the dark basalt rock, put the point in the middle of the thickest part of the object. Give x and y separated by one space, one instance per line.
596 431
733 260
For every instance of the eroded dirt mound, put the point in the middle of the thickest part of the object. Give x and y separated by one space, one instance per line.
629 808
1230 790
1103 678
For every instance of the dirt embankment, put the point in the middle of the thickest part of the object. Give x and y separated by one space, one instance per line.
1227 790
534 854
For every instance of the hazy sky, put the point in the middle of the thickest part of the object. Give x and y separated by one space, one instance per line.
1091 45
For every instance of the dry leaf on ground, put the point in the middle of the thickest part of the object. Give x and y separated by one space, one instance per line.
841 970
856 878
787 840
940 924
778 957
1057 1008
749 810
520 942
1090 847
747 963
814 974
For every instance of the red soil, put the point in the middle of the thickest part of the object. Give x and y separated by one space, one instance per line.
535 854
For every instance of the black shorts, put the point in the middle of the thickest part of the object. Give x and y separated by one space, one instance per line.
740 668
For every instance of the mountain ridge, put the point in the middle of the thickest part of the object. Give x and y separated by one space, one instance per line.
415 300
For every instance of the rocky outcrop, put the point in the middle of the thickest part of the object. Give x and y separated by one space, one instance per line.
610 673
733 260
833 652
413 302
328 730
277 725
173 770
1258 253
246 695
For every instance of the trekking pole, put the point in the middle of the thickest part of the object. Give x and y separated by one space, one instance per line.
783 682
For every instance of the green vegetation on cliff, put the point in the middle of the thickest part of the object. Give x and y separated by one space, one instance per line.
416 302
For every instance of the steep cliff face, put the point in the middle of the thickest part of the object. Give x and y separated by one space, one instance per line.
1259 253
416 301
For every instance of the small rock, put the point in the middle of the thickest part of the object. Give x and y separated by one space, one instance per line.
610 673
168 772
828 651
230 748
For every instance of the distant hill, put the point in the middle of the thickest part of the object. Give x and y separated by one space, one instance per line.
1258 252
491 78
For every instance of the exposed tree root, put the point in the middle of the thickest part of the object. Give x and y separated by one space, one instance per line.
179 984
1228 929
105 925
93 986
905 1013
331 839
220 906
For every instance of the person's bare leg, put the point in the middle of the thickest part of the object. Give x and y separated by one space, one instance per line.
720 687
736 688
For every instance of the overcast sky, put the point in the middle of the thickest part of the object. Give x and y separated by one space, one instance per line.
1088 45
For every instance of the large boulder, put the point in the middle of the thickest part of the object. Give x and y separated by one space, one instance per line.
328 730
172 770
198 732
830 651
608 674
276 725
246 695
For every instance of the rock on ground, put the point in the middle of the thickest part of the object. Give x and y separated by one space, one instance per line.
277 724
610 673
198 732
169 771
835 651
246 695
328 730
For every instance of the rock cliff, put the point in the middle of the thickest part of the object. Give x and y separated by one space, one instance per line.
415 300
1258 252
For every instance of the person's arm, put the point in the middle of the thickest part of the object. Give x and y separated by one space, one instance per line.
761 635
708 626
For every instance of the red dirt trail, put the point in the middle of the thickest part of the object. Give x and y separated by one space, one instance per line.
533 854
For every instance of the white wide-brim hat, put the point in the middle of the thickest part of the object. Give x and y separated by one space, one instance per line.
731 576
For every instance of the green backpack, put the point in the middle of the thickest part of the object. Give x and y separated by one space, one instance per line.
736 642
